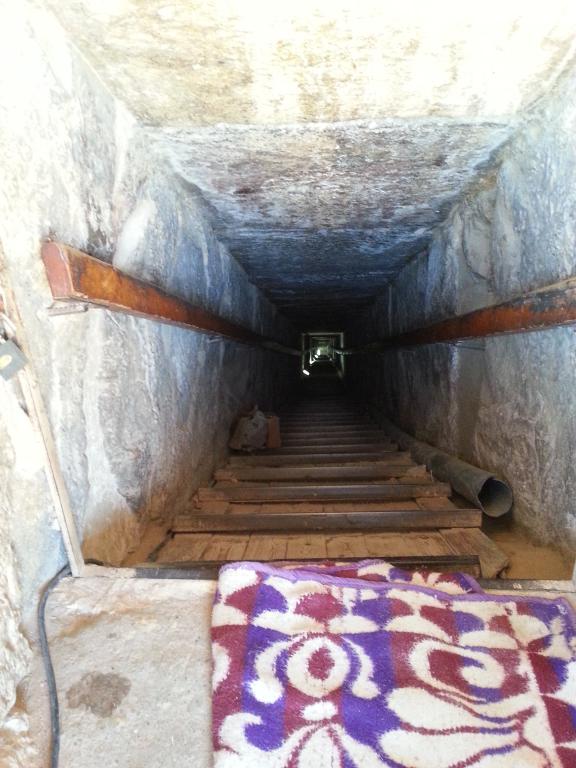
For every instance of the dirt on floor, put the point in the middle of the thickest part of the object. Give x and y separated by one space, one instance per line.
529 559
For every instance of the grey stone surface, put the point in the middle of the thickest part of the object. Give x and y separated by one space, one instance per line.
507 405
140 411
187 62
328 138
133 662
322 213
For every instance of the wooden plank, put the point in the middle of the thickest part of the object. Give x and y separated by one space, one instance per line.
310 507
208 506
328 429
266 547
440 502
225 548
412 544
314 472
304 546
247 492
279 460
354 439
351 545
75 276
383 519
350 507
184 547
422 481
310 450
208 569
321 422
473 542
57 487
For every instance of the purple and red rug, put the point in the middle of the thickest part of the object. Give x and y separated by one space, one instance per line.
369 666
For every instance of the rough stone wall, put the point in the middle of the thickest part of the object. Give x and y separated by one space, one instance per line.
509 403
140 411
339 133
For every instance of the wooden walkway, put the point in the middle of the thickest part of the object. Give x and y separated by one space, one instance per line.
337 488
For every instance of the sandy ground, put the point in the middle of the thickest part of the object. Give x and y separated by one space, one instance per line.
529 559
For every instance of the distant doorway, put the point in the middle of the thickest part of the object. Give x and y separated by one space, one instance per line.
322 355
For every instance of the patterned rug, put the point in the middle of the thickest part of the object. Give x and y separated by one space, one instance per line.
369 666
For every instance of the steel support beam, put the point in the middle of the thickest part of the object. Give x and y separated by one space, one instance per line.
75 276
548 307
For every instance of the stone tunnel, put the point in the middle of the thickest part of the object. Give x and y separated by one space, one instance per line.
349 172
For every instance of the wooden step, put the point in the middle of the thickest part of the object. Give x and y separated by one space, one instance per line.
368 471
247 492
331 440
493 561
293 459
397 516
321 412
322 420
408 550
309 417
307 425
346 429
322 408
334 448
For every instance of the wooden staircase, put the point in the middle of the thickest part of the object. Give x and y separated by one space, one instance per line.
337 488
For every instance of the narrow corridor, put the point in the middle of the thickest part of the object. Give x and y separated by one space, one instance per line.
357 218
337 488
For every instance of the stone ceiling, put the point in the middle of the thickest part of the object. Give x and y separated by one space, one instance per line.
329 137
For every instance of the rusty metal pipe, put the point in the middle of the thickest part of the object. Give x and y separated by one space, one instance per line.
486 491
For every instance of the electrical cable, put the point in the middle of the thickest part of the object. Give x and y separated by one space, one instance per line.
48 667
142 573
47 661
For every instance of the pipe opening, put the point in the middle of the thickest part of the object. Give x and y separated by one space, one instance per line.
495 497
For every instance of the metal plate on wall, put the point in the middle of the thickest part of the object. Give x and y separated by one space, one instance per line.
12 359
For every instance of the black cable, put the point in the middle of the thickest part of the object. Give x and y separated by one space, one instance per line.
47 661
49 669
150 573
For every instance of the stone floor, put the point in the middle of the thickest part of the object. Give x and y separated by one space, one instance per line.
132 659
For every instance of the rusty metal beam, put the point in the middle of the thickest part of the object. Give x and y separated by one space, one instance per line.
75 276
548 307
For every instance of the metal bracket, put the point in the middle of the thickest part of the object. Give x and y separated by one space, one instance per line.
67 308
12 359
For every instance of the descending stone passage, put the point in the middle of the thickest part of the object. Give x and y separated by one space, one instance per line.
337 488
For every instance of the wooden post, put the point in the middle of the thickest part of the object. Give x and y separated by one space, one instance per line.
56 483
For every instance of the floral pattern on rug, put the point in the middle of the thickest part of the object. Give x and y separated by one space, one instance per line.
367 665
